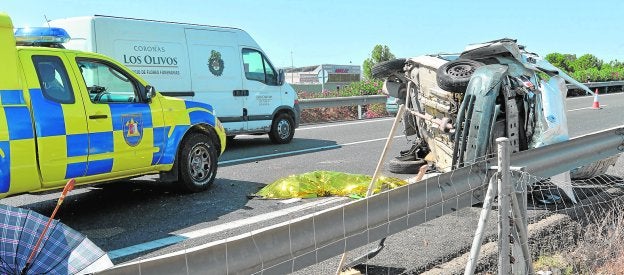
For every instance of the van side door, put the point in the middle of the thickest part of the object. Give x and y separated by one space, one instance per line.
264 92
216 75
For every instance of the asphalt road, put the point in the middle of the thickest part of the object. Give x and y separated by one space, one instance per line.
119 216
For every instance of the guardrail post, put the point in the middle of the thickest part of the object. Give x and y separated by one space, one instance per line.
504 207
359 111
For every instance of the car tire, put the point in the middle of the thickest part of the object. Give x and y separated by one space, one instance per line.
197 163
454 75
387 68
282 129
593 169
398 166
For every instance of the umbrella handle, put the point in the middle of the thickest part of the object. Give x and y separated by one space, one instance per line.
68 187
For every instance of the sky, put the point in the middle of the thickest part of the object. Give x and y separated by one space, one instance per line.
312 32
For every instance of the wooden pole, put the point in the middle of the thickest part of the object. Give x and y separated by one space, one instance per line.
397 119
369 192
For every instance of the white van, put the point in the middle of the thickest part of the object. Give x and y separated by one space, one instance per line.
218 65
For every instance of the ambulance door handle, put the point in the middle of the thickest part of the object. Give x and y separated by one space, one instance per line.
97 116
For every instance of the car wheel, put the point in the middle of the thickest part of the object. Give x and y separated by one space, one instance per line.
593 169
387 68
282 129
198 163
399 166
454 75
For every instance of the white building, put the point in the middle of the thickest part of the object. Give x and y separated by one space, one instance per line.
334 75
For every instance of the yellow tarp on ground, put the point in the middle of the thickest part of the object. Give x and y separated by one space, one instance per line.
325 183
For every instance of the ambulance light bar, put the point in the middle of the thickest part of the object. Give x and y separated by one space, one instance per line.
42 36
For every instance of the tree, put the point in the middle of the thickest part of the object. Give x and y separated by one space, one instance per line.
587 67
561 61
585 62
380 53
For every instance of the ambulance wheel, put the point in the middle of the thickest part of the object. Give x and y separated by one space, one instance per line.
198 163
282 129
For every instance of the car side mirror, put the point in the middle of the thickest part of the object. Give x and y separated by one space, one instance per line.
280 77
150 92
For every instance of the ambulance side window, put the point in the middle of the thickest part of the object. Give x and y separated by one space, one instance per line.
258 68
107 84
53 79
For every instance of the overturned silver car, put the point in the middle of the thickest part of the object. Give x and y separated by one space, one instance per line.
458 104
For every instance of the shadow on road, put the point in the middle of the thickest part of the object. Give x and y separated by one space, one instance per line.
121 214
249 149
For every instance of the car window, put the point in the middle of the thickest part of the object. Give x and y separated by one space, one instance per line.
271 76
257 67
106 83
53 79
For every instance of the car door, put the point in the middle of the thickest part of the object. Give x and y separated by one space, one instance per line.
120 121
264 92
58 114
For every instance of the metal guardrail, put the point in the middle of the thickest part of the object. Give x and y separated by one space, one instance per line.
293 245
599 84
370 99
341 101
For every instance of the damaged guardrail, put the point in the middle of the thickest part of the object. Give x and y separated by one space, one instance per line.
293 245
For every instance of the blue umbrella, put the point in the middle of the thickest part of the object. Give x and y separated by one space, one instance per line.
47 245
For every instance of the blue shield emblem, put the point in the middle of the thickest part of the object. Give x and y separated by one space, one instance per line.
132 125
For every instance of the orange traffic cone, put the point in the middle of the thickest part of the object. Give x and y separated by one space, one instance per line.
596 104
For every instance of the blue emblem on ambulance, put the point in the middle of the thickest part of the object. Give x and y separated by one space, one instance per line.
132 129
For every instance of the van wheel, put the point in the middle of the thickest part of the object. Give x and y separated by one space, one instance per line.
198 163
282 129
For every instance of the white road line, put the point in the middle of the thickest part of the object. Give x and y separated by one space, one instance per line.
344 124
599 96
601 105
302 151
258 218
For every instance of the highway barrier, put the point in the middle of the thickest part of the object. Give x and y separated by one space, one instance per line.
307 240
370 99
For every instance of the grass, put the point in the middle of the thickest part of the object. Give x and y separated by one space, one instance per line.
600 250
